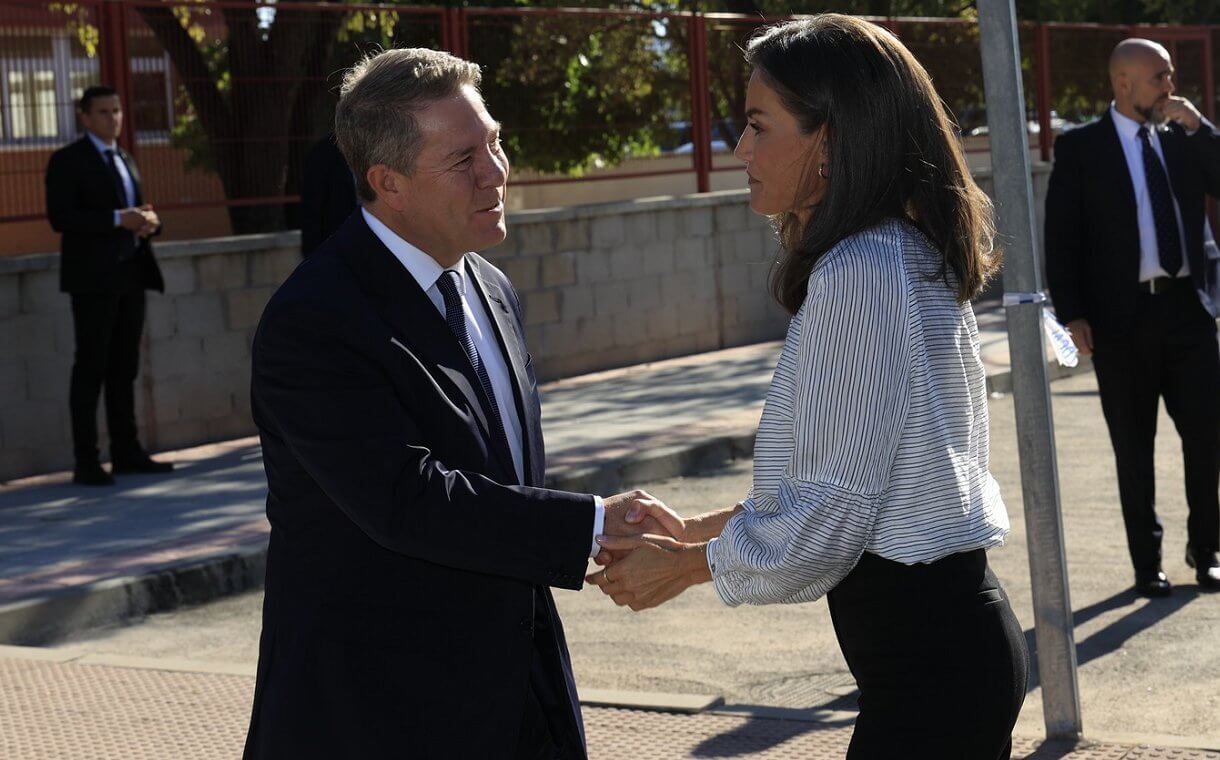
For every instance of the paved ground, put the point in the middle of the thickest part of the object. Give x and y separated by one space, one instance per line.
124 710
1148 667
178 684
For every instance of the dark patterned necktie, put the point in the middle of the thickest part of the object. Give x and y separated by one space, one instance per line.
127 241
1168 238
455 315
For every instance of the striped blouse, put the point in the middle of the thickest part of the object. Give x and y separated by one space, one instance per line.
874 433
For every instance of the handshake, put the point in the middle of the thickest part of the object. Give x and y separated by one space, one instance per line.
649 554
141 220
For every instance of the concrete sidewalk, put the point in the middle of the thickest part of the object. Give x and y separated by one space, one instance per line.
57 704
73 557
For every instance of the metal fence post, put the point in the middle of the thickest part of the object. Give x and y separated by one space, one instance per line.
454 35
1042 69
1210 96
1053 633
114 64
700 101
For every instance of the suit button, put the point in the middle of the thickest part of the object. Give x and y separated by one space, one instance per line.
526 625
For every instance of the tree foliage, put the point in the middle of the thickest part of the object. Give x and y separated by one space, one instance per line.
257 84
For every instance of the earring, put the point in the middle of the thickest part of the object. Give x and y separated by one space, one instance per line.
821 171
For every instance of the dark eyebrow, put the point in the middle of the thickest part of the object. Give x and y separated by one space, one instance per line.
463 152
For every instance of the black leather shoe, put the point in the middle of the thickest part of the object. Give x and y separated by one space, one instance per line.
91 474
1153 584
140 463
1207 568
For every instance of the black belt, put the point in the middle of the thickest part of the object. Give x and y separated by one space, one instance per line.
1159 285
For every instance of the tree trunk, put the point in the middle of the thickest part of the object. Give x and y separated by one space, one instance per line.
250 128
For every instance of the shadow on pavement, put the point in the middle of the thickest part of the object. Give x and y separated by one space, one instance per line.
1053 750
754 736
1116 634
49 524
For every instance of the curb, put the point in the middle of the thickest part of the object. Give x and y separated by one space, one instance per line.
46 619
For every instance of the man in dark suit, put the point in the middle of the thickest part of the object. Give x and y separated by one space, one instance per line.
408 610
1133 274
94 199
328 194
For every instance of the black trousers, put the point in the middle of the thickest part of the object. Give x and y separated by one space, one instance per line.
1172 353
108 329
938 656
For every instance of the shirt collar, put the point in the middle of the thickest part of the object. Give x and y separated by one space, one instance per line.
1129 128
97 143
422 267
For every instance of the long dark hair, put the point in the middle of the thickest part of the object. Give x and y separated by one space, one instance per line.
892 150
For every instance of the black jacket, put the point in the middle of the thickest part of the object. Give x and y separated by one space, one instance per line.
81 201
406 596
1092 233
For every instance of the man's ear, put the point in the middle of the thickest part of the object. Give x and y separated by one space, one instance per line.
388 185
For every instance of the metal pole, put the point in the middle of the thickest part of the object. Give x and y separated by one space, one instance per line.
700 111
1042 66
1055 641
115 65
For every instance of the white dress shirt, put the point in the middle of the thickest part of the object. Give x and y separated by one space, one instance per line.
874 436
427 271
1150 258
129 186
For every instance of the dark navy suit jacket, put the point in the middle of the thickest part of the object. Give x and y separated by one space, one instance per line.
407 604
1092 233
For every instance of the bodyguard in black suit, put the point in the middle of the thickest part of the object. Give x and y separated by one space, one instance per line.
328 194
1134 276
94 199
408 611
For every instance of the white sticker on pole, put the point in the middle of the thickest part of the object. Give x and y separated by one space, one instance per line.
1061 340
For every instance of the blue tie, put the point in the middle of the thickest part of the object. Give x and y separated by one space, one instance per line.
455 315
1168 239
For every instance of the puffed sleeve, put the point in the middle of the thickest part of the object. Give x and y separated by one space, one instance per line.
849 405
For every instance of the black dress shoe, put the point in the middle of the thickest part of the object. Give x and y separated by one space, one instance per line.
91 474
1207 568
140 463
1152 584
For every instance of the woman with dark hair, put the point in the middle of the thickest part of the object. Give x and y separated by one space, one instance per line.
871 481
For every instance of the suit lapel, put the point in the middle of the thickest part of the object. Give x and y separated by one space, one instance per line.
1192 227
415 320
134 173
1114 161
90 153
1116 176
505 325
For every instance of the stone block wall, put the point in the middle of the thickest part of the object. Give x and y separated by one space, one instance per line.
622 283
195 358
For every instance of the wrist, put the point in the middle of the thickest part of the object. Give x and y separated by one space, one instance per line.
694 563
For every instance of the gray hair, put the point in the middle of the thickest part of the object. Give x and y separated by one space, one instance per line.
375 119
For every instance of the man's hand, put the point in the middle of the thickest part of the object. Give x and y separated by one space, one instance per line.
151 221
635 513
653 569
132 219
1183 112
1082 336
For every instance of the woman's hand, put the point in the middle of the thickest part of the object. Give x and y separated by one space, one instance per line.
649 570
635 513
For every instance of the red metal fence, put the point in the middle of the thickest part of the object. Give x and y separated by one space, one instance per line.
224 98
